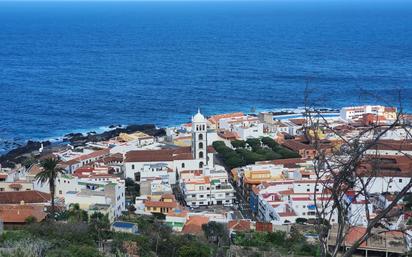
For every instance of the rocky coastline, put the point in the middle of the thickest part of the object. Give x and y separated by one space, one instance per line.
21 153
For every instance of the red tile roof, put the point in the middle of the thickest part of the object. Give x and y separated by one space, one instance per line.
393 145
386 166
181 153
194 224
25 196
35 169
160 204
299 122
11 213
239 225
215 118
296 146
95 154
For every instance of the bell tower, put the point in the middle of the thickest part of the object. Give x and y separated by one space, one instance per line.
199 138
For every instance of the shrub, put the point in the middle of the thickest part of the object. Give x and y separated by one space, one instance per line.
301 220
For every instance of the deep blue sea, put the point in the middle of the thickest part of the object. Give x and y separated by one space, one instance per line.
80 66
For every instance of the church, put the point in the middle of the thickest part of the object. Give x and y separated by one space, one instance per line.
195 157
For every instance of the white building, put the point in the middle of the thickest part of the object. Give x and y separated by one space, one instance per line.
89 186
245 126
357 112
178 159
112 195
160 170
207 187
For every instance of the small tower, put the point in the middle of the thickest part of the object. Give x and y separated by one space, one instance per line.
199 139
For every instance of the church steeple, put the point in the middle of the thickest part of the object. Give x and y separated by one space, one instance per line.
199 138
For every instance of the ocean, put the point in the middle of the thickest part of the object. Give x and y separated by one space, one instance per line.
82 66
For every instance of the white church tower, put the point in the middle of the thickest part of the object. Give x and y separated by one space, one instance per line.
199 139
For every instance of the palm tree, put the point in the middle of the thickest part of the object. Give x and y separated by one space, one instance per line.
49 174
77 215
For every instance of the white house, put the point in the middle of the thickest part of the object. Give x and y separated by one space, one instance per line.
207 187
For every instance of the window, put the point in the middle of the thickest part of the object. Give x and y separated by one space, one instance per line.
308 190
200 154
132 166
183 165
200 145
200 164
200 136
60 192
400 180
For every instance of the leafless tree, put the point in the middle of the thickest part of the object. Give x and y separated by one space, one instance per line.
348 165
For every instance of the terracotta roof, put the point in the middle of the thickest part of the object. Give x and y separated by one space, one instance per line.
94 154
25 196
90 172
34 169
298 122
182 153
386 166
194 224
215 118
114 158
239 225
11 213
226 134
393 145
354 234
296 146
160 204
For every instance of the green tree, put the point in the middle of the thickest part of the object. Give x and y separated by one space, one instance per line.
49 174
269 142
301 220
214 231
235 161
254 143
194 250
132 189
238 143
75 214
30 219
219 146
100 226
